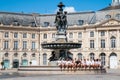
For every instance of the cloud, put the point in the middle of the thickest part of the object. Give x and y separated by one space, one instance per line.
69 9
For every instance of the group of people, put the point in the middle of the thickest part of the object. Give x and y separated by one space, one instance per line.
80 64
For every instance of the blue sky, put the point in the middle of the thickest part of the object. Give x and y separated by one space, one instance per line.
50 6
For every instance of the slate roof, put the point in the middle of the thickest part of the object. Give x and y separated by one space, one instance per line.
111 7
34 20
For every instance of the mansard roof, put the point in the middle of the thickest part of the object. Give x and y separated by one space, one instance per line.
8 18
111 7
89 17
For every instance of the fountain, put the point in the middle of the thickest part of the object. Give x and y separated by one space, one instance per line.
60 51
61 46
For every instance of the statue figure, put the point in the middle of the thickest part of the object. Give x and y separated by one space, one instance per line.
52 58
58 21
64 21
61 19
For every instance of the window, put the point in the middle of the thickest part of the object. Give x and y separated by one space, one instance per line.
92 56
16 55
103 43
33 55
91 43
25 55
6 54
33 45
79 56
80 22
44 36
15 45
6 35
24 35
33 36
113 42
33 24
53 35
91 34
16 23
102 33
15 35
24 44
44 59
102 57
46 24
79 35
118 16
70 35
6 44
108 16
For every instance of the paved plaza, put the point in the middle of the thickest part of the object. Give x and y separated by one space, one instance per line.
110 75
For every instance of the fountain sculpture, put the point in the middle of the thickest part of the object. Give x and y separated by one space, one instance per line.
61 46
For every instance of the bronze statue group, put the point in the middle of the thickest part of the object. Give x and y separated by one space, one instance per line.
61 21
83 64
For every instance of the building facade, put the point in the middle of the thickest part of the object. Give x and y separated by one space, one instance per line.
21 36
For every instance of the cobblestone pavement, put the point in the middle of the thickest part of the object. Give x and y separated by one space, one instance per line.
110 75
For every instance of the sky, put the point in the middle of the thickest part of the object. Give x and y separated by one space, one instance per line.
50 6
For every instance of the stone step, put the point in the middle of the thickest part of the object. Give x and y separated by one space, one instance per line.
56 70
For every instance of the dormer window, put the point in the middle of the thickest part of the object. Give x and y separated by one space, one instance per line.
33 24
80 22
108 16
46 24
16 23
117 16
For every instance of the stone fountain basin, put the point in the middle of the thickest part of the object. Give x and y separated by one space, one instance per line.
66 45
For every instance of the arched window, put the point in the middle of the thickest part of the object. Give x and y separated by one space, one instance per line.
33 55
102 57
113 54
92 56
44 59
25 55
113 42
16 55
79 56
108 16
6 54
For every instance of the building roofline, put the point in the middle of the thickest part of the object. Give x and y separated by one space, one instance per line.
110 7
16 13
31 14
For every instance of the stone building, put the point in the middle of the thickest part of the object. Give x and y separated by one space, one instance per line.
21 36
